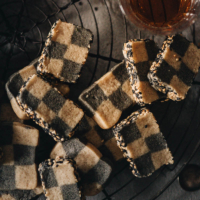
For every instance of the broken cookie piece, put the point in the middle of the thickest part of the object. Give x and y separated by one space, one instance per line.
17 167
142 143
17 80
94 169
60 180
66 50
108 97
176 65
139 55
58 116
103 140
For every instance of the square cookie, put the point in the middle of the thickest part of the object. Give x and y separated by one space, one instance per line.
143 144
17 80
47 107
108 97
17 167
66 50
60 179
94 169
139 55
176 65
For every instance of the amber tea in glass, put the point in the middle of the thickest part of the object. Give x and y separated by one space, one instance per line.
161 16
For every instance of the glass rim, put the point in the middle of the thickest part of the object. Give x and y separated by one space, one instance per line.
175 28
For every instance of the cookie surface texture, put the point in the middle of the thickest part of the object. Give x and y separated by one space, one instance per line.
143 144
66 48
108 97
175 67
58 116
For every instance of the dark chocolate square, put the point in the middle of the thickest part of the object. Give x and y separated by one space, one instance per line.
71 70
24 155
70 192
49 178
180 45
185 74
30 100
120 73
120 99
54 100
152 49
73 147
60 127
80 37
156 142
144 164
7 177
142 70
57 50
94 97
165 72
130 133
105 134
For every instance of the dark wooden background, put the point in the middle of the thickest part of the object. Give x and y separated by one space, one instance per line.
24 25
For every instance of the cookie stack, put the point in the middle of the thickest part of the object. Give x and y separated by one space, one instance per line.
89 138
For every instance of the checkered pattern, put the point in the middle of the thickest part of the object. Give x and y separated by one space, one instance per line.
103 140
18 168
108 97
93 168
66 48
20 194
143 144
60 179
175 67
48 108
139 55
17 80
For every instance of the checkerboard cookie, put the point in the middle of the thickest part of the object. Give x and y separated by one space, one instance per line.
139 55
175 67
103 140
65 51
17 167
48 108
94 170
17 80
142 143
20 194
60 179
108 97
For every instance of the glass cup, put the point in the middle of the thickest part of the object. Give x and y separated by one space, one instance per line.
161 16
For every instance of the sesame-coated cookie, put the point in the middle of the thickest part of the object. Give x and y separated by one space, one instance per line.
176 65
139 55
66 50
58 116
107 98
142 143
